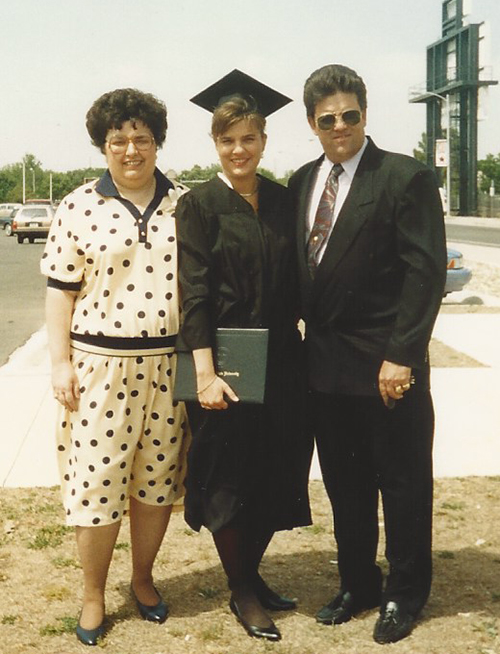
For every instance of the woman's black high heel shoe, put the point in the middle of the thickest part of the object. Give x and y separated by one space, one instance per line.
90 636
157 613
271 600
269 633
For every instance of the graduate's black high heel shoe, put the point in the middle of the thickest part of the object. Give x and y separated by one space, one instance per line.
270 600
270 632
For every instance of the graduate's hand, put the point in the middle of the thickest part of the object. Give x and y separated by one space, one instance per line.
212 396
393 381
65 385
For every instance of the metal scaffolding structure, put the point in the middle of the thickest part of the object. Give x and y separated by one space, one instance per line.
454 76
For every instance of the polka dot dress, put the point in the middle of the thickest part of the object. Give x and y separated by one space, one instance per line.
128 287
128 436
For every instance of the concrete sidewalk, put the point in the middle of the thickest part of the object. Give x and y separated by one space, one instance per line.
27 445
466 400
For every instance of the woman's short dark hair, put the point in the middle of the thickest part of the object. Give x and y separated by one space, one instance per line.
232 111
113 109
331 79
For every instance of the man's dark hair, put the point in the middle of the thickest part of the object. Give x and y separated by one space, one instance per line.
331 79
113 109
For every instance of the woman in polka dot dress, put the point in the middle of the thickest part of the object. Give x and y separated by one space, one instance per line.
112 318
248 464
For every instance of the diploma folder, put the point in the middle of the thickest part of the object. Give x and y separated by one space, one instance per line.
240 359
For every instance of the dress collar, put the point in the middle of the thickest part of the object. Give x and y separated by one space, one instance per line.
106 186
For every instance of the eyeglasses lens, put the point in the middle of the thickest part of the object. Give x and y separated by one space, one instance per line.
351 117
141 143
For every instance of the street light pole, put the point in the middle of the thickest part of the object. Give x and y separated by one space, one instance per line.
448 148
33 175
446 100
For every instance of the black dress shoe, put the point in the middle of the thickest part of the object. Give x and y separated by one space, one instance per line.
271 600
393 624
90 636
269 633
343 607
157 613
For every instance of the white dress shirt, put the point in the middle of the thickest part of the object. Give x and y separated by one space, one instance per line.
345 180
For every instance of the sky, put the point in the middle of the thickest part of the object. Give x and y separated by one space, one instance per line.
58 56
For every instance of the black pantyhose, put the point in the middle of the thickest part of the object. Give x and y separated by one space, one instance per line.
240 552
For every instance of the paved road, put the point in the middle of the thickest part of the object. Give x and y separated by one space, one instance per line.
473 234
22 293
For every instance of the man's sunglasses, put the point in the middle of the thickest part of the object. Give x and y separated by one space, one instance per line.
327 121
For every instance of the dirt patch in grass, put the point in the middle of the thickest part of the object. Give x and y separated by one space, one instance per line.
444 356
40 584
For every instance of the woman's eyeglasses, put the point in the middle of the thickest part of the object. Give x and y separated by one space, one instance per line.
327 121
119 144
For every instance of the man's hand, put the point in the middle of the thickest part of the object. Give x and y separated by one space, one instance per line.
393 381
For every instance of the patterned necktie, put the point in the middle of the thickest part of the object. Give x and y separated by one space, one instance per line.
324 217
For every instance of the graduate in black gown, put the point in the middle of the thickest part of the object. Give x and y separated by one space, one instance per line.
248 465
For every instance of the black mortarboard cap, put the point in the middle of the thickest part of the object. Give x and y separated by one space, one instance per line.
235 84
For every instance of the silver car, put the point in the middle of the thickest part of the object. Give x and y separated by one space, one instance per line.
32 221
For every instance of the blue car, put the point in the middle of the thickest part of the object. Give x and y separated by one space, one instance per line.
456 275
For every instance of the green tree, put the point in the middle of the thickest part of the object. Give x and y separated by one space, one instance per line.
197 174
265 172
64 183
490 172
10 176
11 180
420 152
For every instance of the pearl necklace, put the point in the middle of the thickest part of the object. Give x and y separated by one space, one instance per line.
249 195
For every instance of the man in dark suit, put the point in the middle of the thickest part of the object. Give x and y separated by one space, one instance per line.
372 260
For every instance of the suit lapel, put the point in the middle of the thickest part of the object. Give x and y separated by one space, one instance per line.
303 206
355 210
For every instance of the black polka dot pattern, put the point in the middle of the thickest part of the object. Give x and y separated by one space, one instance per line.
127 432
140 450
95 240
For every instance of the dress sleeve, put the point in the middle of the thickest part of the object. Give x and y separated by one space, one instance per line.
194 237
63 260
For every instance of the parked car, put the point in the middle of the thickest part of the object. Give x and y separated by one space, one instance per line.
6 222
7 210
32 221
456 275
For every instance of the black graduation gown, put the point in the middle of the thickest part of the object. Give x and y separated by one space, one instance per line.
237 269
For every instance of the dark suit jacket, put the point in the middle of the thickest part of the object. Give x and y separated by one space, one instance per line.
378 288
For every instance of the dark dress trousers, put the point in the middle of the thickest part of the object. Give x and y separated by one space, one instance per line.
238 268
375 297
